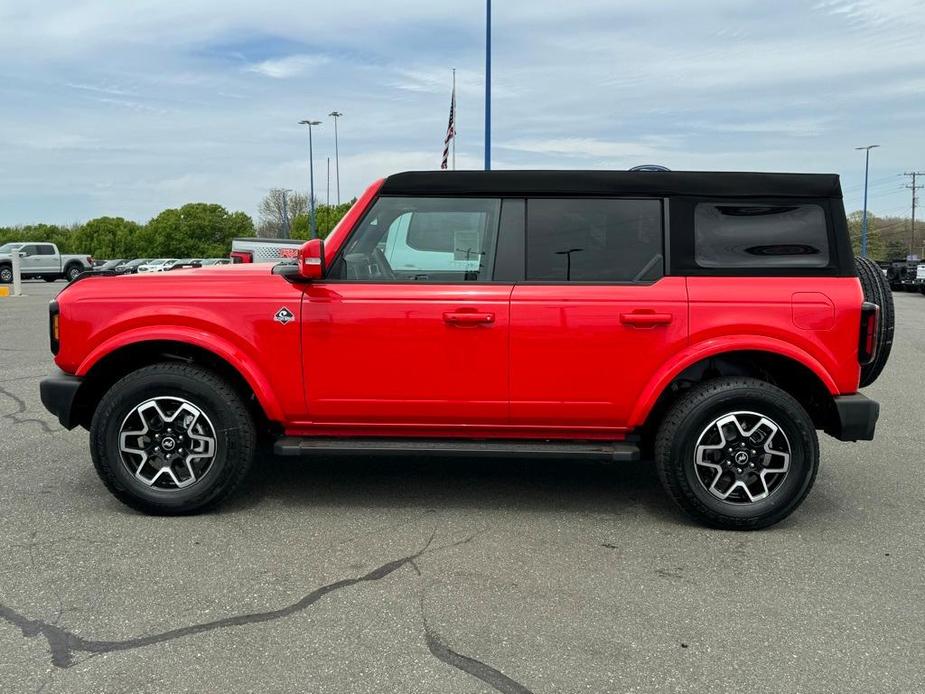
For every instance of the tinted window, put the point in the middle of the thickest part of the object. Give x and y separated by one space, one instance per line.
46 249
28 249
760 236
594 240
423 239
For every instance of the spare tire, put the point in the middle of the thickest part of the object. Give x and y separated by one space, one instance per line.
877 291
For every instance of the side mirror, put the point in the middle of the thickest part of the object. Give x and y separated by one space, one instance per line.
311 260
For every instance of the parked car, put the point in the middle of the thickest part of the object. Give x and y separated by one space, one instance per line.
156 265
901 274
109 265
131 267
257 250
214 261
182 263
41 260
714 321
920 278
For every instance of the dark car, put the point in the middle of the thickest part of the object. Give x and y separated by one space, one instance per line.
131 267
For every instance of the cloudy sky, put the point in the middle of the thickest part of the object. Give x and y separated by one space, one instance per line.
125 108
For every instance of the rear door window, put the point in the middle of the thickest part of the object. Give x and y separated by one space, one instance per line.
743 235
594 240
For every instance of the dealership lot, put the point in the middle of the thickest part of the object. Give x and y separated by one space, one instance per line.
455 575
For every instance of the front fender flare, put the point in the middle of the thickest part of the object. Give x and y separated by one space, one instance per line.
219 346
713 347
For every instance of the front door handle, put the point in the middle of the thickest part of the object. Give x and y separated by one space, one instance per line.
468 318
645 319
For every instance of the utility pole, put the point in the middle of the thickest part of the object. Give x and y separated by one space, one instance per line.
913 187
284 232
335 115
866 149
311 178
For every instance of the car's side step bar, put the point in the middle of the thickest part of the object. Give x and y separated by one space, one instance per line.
618 451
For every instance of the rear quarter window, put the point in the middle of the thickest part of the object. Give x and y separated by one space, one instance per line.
747 235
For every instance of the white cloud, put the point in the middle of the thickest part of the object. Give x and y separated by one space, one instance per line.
290 66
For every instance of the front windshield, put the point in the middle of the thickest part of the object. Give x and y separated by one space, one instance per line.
8 247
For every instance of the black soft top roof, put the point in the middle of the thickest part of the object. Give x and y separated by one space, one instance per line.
575 183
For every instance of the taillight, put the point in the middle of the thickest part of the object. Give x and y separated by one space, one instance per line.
242 257
870 328
54 326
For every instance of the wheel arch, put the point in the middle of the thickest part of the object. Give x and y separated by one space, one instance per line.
103 368
803 378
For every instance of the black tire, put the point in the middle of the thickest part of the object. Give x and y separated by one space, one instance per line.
72 271
877 291
229 419
692 415
6 274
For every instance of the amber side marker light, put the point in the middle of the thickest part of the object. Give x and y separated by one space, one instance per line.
54 326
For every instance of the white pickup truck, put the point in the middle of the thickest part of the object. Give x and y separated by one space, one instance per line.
41 260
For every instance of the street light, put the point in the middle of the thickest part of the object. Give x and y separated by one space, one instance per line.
311 178
335 115
866 149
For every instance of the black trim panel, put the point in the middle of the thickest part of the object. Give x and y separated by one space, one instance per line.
58 394
857 418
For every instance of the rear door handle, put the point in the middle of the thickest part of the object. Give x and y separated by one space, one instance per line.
645 319
468 318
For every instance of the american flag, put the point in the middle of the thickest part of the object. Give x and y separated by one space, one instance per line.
450 130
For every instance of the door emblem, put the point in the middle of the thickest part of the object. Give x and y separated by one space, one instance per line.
284 315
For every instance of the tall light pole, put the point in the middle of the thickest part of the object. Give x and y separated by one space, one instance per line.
335 115
488 85
311 178
285 232
866 149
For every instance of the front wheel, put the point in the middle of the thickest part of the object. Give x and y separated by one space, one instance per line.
6 274
172 439
737 453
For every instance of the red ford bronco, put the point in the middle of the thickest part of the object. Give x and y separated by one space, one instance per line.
711 321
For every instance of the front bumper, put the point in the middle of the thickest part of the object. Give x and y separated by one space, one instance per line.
59 393
857 418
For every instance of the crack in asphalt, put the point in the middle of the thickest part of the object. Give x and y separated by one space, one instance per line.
471 666
64 644
21 405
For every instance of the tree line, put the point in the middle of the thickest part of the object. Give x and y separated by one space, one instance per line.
195 230
204 230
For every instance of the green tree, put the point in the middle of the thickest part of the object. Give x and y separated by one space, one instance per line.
107 237
326 218
196 230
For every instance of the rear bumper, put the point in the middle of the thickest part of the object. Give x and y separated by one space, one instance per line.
857 418
58 394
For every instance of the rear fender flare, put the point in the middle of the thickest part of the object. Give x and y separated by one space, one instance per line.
711 348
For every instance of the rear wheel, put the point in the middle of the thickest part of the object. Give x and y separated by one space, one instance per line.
877 291
737 453
172 439
71 272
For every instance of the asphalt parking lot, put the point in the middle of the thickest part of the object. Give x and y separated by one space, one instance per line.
374 575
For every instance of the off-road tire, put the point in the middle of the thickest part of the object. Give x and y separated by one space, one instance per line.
72 271
681 428
215 397
6 274
877 291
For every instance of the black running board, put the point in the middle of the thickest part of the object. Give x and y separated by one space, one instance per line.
604 450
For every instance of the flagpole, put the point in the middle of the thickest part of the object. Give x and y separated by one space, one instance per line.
487 85
455 119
